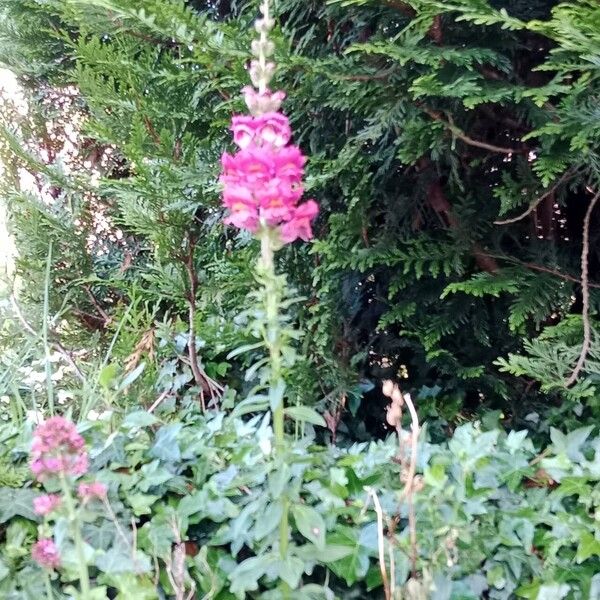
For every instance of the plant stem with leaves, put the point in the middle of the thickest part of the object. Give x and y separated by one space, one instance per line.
84 577
272 295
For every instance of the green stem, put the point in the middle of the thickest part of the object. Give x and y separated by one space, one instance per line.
84 577
273 341
49 592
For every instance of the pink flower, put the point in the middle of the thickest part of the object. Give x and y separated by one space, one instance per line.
270 128
57 448
262 182
88 491
258 103
45 553
44 505
299 225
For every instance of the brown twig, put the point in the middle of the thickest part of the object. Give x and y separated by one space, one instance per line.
150 129
158 401
585 292
543 269
461 135
97 306
202 380
565 177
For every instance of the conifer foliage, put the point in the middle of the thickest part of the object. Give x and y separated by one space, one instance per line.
454 152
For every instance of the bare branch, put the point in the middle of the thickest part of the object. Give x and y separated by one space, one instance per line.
461 135
565 177
585 291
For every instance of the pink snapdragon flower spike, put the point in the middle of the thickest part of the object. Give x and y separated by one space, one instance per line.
45 553
57 449
44 505
89 491
262 182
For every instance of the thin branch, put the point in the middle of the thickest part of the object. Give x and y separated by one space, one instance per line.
585 291
202 380
461 135
543 269
565 177
96 304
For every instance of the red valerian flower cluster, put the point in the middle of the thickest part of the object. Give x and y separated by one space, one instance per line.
45 553
44 505
263 180
57 449
89 491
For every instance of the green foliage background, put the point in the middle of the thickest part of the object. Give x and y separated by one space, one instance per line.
425 123
454 151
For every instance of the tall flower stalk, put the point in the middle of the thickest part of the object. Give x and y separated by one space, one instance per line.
262 189
58 454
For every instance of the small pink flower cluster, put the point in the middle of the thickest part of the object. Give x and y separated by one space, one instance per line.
263 180
44 505
57 449
45 553
89 491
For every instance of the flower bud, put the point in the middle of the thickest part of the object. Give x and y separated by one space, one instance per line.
397 396
256 46
387 388
393 415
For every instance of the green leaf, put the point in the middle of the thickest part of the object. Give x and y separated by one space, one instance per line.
244 578
16 502
310 524
132 376
107 375
304 413
290 570
4 570
588 546
166 445
139 419
244 348
276 395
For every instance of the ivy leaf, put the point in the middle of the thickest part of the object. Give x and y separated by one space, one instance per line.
166 446
310 524
16 502
244 578
588 546
571 443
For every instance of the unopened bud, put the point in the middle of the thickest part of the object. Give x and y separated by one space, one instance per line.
256 47
387 388
393 415
397 396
